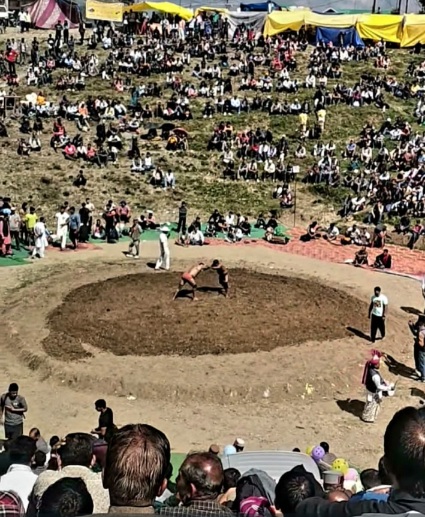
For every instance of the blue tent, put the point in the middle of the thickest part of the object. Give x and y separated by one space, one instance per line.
347 36
260 7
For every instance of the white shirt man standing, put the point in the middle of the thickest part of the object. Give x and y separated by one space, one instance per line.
377 313
62 219
40 239
164 258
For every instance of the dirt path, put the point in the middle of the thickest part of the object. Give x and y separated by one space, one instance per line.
276 408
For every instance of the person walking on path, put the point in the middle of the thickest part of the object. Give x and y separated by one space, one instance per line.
377 313
14 407
164 258
135 234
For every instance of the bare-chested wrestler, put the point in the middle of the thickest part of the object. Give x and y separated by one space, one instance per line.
189 276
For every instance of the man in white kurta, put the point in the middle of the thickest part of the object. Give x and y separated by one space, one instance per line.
40 238
62 219
164 258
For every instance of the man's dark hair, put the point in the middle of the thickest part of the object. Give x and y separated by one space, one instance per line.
136 465
404 450
13 387
101 404
68 497
292 488
39 458
204 471
325 446
384 475
54 440
370 478
21 450
78 450
231 477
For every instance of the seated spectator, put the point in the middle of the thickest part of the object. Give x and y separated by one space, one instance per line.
98 230
403 457
295 486
75 457
195 236
80 180
361 257
19 477
136 468
68 497
312 232
70 151
383 261
332 233
201 479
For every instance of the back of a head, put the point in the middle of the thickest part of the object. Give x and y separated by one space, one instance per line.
370 478
39 458
231 477
21 450
404 442
78 450
11 504
100 404
204 471
136 465
292 488
68 497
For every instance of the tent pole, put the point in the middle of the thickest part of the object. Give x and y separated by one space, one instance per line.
407 6
373 6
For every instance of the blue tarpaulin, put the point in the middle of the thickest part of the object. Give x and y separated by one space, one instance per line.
339 37
260 7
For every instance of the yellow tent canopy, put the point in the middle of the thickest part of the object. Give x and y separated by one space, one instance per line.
111 12
387 27
279 21
211 9
165 7
339 21
413 30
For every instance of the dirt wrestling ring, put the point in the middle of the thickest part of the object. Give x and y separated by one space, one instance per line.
123 331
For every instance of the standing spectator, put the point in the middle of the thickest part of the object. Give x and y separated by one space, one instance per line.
14 407
418 330
164 257
199 483
58 34
62 219
65 32
19 476
135 234
106 426
74 226
75 459
22 20
137 463
377 313
40 240
15 226
181 226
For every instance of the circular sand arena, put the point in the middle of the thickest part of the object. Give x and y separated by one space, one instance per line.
135 315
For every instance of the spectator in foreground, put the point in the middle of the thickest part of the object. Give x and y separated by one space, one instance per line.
199 483
106 420
404 459
135 473
75 460
19 477
295 486
11 505
68 497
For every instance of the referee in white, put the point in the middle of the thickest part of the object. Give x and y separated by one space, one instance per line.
377 313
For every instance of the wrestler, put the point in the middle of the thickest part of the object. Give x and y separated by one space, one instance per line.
188 277
223 276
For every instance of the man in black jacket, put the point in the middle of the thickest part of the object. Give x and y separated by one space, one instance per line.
404 458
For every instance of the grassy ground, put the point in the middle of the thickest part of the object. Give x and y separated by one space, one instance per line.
45 179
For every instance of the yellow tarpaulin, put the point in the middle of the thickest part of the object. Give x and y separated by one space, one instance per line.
339 21
204 9
279 21
165 7
387 27
413 30
111 12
